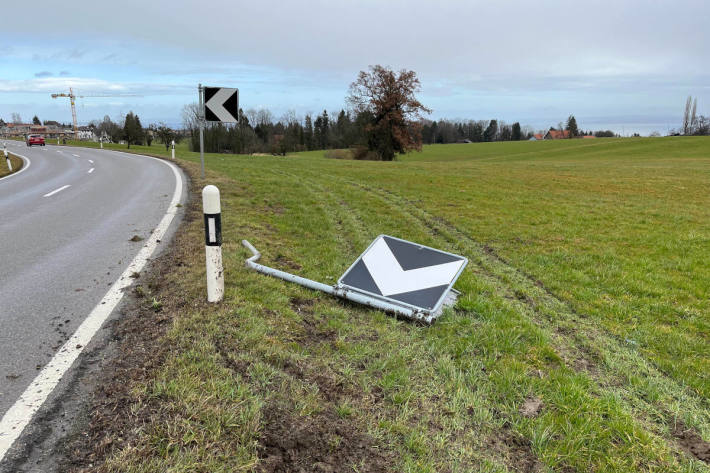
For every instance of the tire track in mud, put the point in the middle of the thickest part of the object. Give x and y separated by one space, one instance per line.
583 346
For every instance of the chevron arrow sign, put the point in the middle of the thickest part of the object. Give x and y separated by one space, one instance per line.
404 272
221 104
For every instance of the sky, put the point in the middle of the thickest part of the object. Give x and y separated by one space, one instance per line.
622 65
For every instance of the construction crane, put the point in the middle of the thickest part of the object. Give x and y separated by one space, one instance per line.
72 99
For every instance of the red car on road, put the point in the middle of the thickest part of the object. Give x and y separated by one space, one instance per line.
35 140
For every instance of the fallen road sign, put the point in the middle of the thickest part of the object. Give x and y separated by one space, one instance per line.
404 273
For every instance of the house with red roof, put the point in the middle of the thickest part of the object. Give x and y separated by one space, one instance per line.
556 134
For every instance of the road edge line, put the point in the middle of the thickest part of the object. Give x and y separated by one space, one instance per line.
20 414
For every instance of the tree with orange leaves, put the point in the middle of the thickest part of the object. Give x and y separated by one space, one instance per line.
389 98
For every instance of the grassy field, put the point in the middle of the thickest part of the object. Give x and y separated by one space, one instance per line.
580 341
17 164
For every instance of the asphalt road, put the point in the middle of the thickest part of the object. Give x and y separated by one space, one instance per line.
65 228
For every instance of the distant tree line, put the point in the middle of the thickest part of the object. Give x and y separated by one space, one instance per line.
445 131
258 132
575 132
131 132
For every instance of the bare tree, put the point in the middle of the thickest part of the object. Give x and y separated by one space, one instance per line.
693 117
191 116
252 115
264 116
16 118
686 116
290 118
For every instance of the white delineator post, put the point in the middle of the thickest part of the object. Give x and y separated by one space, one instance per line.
172 145
101 142
213 243
7 158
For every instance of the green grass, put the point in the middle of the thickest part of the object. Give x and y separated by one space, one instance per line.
17 164
587 289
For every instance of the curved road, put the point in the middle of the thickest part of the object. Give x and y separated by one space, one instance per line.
66 225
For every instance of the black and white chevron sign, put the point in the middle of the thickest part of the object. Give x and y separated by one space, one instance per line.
221 104
402 271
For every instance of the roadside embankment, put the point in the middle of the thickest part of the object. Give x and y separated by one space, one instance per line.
16 162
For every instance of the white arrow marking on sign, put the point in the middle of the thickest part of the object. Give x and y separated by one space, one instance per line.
216 105
392 279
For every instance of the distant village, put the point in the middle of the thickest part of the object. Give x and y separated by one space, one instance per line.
49 131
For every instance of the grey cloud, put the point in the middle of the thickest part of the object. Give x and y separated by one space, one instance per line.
75 54
43 74
517 56
446 37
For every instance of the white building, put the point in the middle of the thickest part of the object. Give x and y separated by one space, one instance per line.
86 134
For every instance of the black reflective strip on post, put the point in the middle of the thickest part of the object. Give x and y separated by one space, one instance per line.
213 229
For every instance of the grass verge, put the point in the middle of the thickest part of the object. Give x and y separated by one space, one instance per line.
17 164
572 249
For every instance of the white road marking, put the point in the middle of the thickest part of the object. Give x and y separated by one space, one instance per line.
56 190
58 151
392 279
26 166
20 414
91 170
76 155
91 161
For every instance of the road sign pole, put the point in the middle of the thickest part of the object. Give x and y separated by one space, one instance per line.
202 128
213 243
222 104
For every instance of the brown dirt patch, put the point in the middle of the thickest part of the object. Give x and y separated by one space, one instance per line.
276 209
531 407
287 263
516 450
691 442
319 443
313 332
522 297
302 305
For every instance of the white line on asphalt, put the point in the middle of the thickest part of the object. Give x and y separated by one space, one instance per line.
27 165
91 170
20 414
76 155
56 190
58 151
91 161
